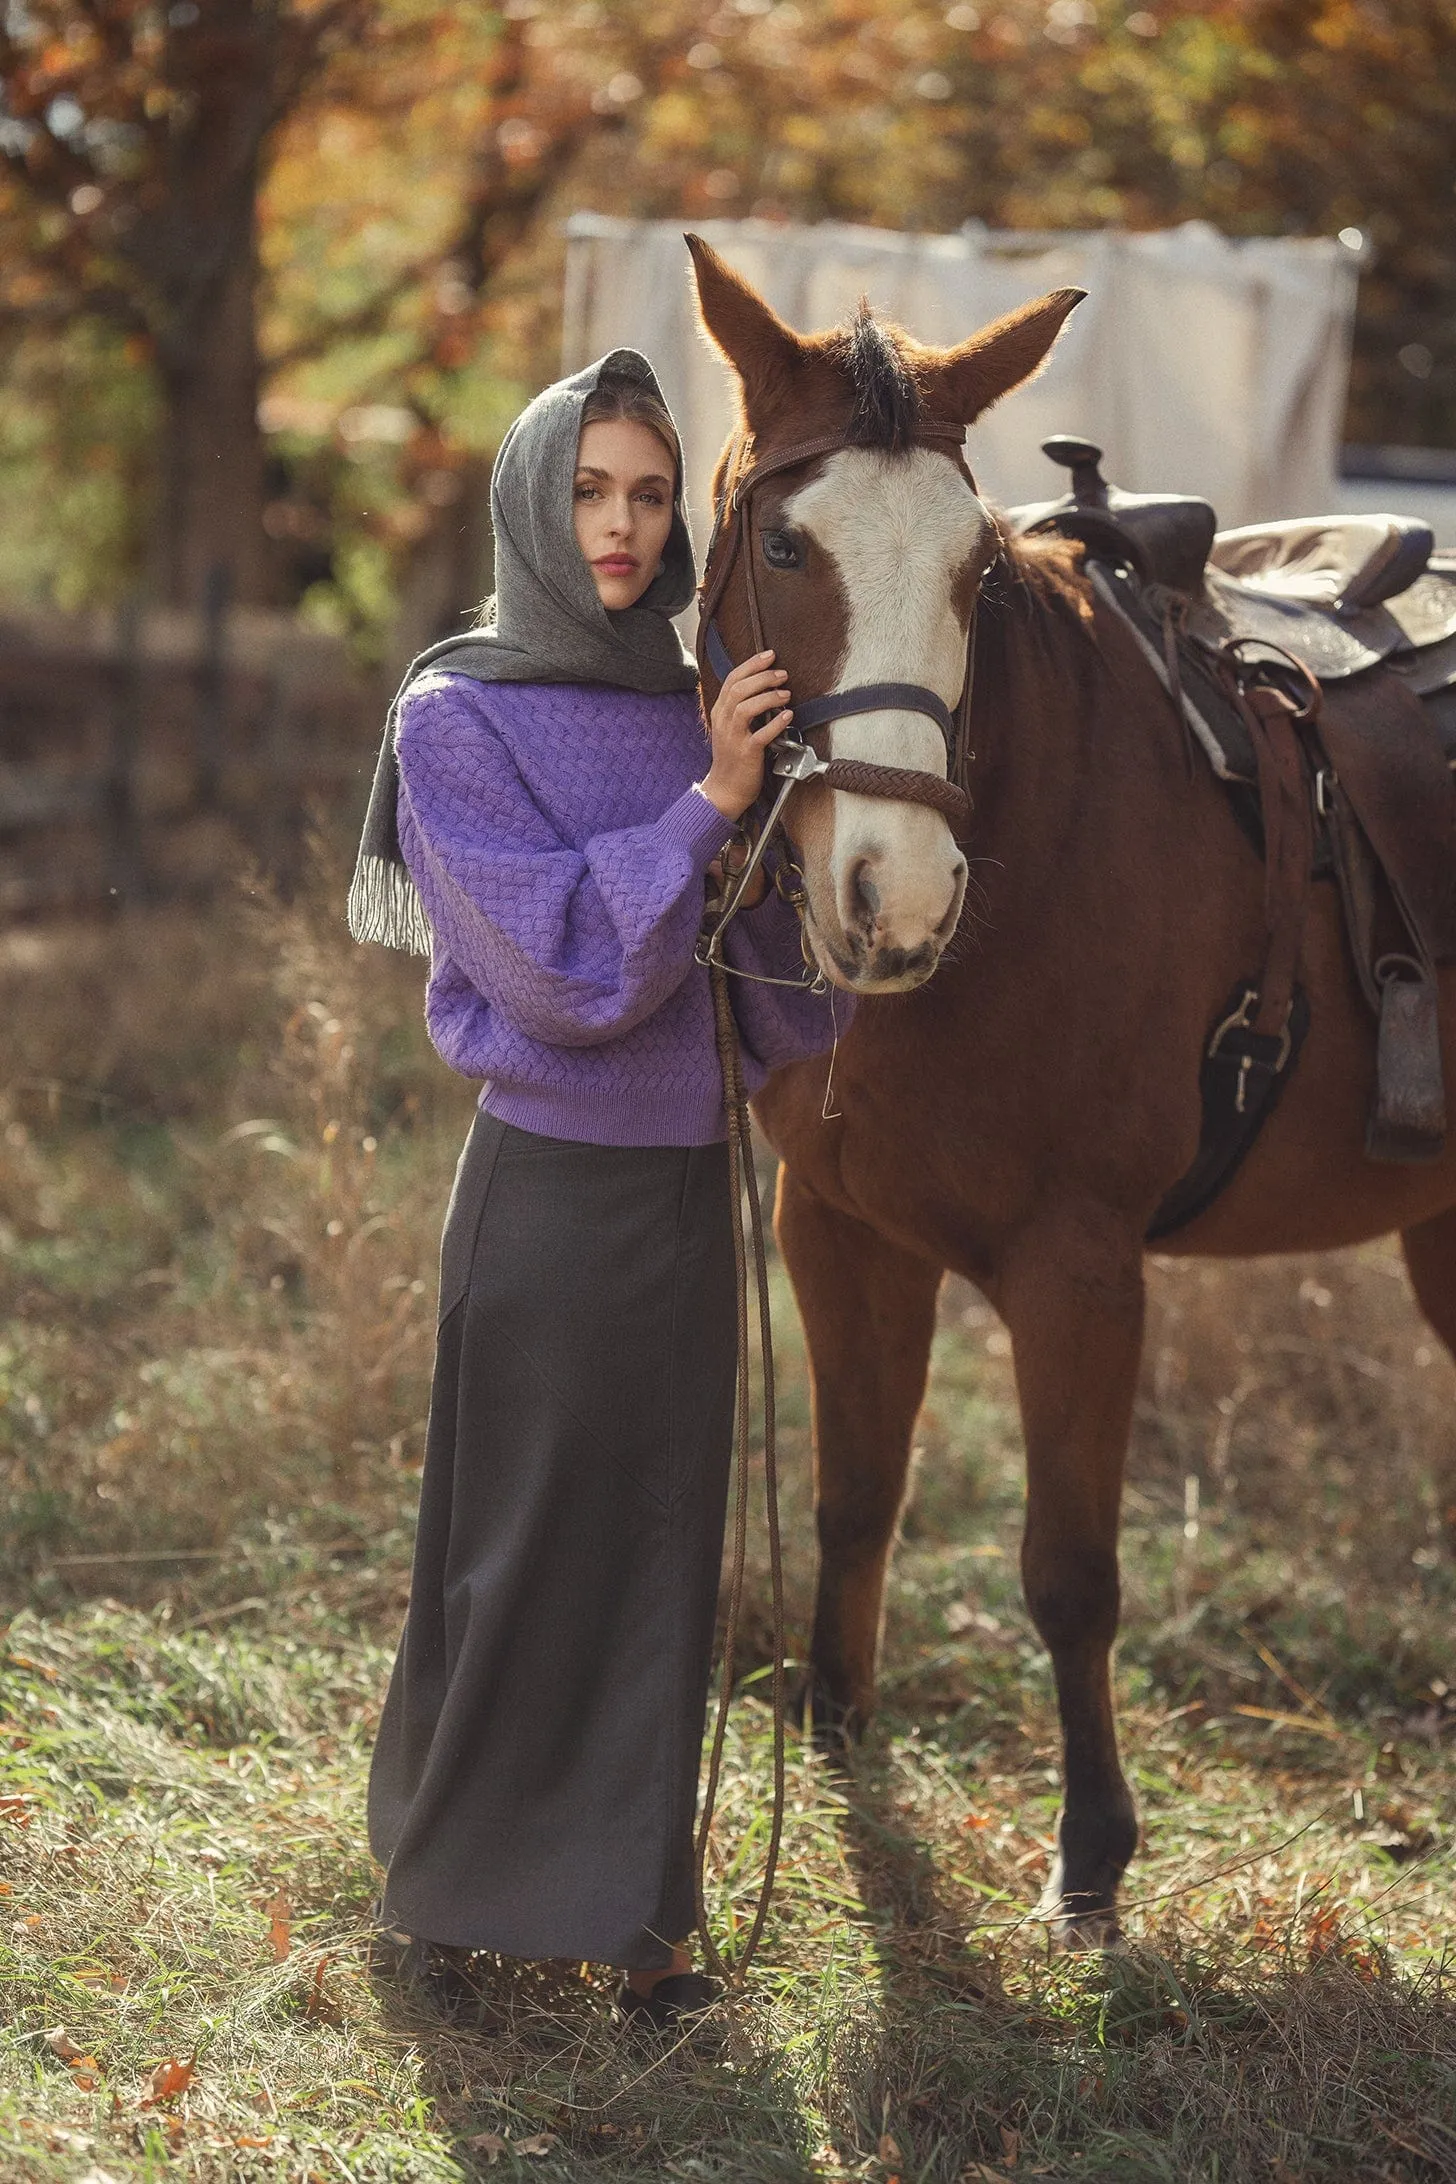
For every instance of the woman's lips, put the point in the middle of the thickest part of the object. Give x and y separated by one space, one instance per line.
615 564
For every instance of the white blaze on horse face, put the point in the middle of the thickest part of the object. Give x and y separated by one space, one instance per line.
899 529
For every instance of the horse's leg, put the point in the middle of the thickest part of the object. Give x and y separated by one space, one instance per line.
1430 1257
869 1313
1071 1292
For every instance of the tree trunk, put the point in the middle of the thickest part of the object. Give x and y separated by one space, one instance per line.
209 513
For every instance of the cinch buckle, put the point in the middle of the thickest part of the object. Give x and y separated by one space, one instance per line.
1240 1020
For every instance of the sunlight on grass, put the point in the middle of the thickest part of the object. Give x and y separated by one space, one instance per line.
207 1508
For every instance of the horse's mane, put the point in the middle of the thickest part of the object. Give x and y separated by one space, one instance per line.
1044 571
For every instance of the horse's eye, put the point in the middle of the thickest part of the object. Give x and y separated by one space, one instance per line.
781 550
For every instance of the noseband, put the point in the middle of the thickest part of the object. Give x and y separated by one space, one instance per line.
792 759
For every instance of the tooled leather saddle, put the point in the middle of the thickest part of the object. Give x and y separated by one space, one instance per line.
1246 629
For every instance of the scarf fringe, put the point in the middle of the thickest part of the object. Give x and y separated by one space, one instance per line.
385 907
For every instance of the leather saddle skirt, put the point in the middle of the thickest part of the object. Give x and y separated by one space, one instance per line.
1343 593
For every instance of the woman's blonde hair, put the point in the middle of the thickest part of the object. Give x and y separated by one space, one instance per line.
625 399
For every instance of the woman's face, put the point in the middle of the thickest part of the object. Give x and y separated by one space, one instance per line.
623 506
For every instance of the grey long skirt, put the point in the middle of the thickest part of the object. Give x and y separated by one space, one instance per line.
535 1777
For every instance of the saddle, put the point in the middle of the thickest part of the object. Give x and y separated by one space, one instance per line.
1245 629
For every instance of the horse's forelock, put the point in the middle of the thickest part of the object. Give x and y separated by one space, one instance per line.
887 405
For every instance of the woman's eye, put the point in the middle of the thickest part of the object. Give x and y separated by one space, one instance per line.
781 550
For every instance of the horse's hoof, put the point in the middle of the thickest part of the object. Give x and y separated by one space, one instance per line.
834 1728
1079 1933
1079 1920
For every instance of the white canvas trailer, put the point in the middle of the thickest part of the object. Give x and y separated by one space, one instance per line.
1200 364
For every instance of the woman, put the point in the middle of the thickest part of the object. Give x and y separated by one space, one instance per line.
547 811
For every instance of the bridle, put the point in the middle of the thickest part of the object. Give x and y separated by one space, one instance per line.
792 759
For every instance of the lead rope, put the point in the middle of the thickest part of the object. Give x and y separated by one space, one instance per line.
742 1174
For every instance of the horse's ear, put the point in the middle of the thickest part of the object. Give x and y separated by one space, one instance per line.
962 382
742 327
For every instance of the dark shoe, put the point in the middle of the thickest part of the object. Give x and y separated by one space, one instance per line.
388 1945
676 2004
445 1981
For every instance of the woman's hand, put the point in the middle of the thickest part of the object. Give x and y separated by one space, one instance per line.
740 733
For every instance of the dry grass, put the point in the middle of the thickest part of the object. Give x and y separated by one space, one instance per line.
226 1150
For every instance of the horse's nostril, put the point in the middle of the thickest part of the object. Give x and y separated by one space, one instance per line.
864 896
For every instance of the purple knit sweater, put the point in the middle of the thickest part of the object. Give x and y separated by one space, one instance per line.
560 848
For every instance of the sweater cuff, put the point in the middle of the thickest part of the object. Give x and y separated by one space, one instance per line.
696 825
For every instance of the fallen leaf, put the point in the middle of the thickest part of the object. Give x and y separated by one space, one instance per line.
318 2004
168 2080
37 1668
280 1928
489 2143
60 2043
542 2143
888 2150
6 1889
1010 2145
245 2140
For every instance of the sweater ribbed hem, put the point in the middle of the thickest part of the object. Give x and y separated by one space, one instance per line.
625 1117
694 823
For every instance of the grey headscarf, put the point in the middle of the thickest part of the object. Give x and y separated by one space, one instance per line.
545 623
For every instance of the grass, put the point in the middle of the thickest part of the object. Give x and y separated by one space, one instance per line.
217 1239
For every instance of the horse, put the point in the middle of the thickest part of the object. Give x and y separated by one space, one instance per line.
1018 1087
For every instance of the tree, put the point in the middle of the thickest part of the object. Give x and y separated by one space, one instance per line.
352 207
134 145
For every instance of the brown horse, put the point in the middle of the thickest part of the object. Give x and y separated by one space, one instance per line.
1018 1116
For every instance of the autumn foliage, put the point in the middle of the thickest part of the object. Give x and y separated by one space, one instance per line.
348 211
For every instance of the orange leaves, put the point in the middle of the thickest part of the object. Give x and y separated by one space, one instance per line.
279 1913
85 2070
168 2080
319 2005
